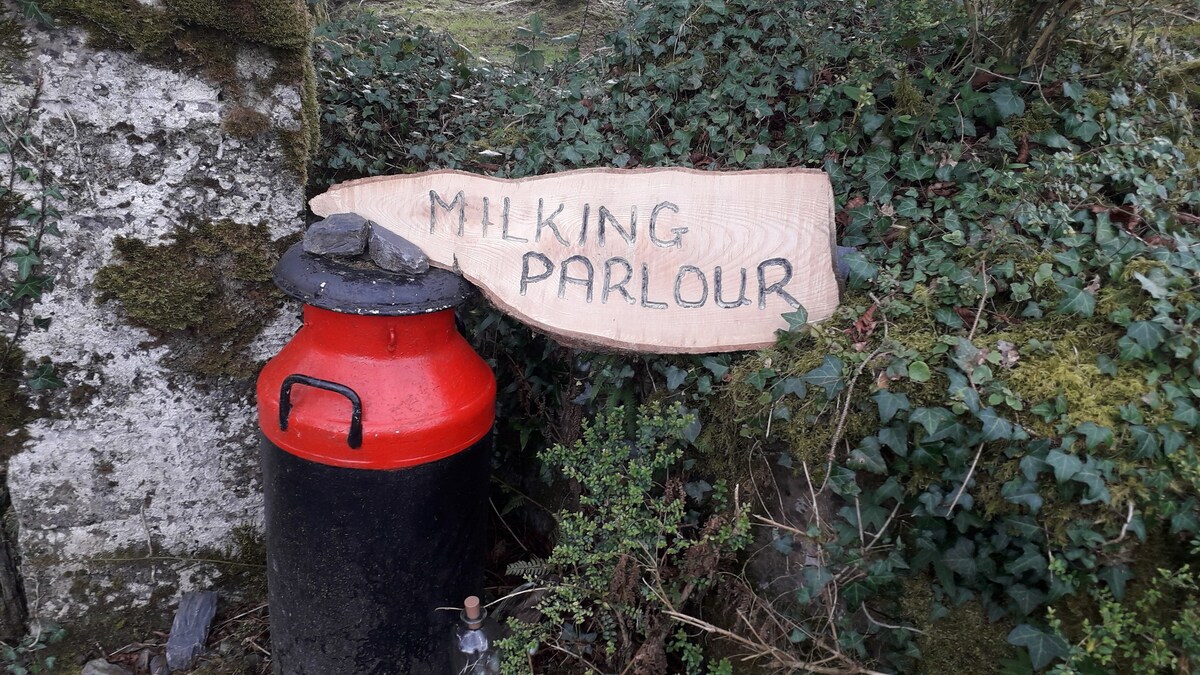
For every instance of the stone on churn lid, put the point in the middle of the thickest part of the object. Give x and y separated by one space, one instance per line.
339 234
395 253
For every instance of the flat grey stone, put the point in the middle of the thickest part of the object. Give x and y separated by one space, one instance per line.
339 234
395 253
189 631
102 667
158 665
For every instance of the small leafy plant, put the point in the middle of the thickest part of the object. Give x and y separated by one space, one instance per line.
529 51
641 542
24 658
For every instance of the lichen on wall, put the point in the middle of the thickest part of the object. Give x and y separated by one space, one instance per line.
210 36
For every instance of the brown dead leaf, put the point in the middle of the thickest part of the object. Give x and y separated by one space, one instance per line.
882 380
983 78
1023 149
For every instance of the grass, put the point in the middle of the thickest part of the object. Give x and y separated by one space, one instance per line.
488 27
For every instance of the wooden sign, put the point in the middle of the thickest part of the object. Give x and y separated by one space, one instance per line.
657 260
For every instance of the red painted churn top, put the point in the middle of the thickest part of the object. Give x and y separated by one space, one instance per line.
391 343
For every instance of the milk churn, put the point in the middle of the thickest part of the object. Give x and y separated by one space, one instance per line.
376 421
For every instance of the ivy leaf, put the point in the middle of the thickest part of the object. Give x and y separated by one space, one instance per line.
1073 90
801 79
675 377
1027 599
867 456
1155 289
859 268
919 371
1024 492
1065 466
1004 141
1023 526
895 437
716 366
32 287
31 10
890 404
783 545
913 169
1007 102
1090 476
828 376
995 427
797 319
1095 435
960 558
789 385
692 431
1116 576
843 481
929 418
26 260
1172 439
45 378
1145 443
1043 647
890 490
1147 334
1185 412
1030 560
1076 299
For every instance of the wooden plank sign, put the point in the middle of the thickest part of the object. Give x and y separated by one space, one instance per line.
657 260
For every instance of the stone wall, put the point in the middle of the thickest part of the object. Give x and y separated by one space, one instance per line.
140 478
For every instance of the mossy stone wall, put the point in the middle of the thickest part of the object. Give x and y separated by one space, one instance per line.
178 133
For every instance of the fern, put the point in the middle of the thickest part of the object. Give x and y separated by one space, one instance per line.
528 569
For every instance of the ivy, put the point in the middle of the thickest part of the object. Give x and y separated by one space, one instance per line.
1003 409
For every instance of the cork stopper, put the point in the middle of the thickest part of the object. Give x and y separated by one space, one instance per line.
473 613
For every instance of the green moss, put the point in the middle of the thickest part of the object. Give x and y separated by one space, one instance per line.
208 315
124 24
207 51
1072 372
298 146
245 122
275 23
14 406
908 98
14 47
1037 118
962 641
490 30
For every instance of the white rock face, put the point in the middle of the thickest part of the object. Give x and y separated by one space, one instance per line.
156 464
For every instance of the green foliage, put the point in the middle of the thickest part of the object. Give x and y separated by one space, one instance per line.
1003 408
25 657
529 51
28 228
1157 630
641 541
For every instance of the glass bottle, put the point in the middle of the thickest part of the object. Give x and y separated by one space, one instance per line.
474 649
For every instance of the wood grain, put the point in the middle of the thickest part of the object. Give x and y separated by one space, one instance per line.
774 226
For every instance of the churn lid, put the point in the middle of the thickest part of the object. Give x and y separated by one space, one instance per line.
357 286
